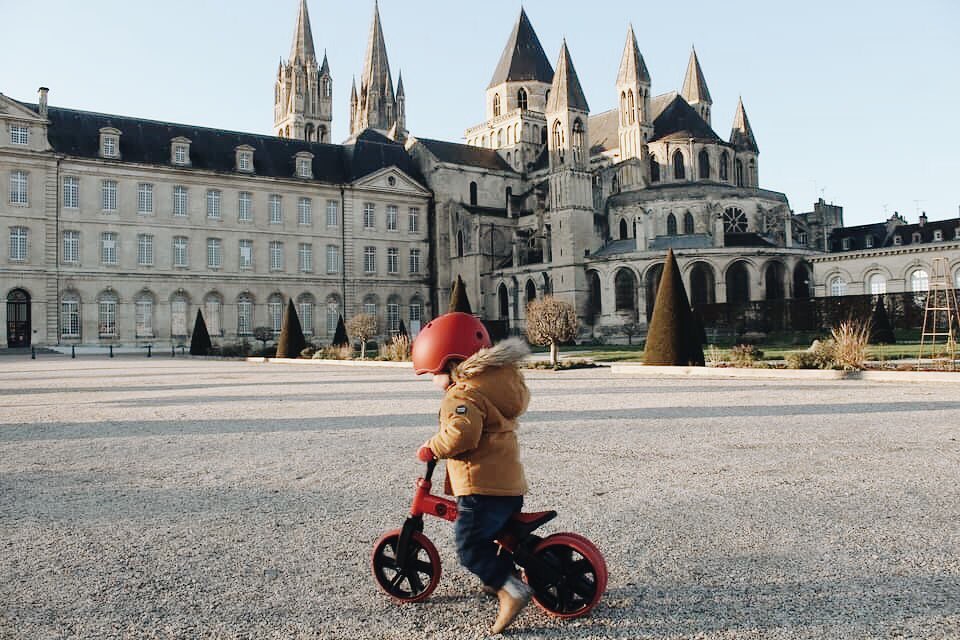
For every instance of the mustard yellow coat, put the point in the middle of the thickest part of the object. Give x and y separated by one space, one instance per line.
478 423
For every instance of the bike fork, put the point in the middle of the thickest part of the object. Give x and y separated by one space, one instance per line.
413 524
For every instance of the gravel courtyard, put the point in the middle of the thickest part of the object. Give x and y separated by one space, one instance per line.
192 499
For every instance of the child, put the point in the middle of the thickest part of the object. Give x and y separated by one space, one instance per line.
484 394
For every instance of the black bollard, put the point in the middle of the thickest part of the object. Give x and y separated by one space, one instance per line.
73 351
173 351
111 351
149 347
33 353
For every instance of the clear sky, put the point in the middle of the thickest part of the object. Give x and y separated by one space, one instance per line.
851 100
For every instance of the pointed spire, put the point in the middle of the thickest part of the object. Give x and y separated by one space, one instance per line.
694 85
566 92
523 57
325 66
376 67
741 136
632 67
400 85
353 91
302 47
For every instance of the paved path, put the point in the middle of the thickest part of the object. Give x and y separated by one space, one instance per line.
194 499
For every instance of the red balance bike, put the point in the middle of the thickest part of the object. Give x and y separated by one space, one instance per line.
566 571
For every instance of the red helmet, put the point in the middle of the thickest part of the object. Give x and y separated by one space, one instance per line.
452 336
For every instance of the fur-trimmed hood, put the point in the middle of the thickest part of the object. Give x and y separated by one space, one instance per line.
509 352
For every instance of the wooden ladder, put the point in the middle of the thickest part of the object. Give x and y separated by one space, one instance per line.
940 321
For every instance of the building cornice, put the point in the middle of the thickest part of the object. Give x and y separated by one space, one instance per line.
887 251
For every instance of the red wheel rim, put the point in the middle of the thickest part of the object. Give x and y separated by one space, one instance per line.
423 569
584 576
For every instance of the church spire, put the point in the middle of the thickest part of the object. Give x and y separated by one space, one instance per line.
566 92
377 104
695 90
523 58
633 70
302 47
741 135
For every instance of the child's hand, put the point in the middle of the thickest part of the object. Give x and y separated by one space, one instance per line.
425 454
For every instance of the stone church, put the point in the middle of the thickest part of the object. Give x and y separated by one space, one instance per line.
121 229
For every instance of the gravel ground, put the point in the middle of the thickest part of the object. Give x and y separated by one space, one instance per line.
193 499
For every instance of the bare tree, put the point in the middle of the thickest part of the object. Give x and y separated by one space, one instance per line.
362 327
550 322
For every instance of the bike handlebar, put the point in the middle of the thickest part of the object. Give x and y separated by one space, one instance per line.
430 467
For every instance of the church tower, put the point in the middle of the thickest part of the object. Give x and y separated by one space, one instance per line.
303 93
633 87
695 90
375 106
745 169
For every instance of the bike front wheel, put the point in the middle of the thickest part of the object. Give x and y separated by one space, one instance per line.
576 579
412 581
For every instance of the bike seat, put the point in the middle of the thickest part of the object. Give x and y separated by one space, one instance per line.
523 524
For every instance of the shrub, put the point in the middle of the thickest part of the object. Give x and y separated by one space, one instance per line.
822 351
308 352
715 356
291 341
672 338
235 350
561 366
200 344
334 352
802 360
551 322
850 350
745 355
398 349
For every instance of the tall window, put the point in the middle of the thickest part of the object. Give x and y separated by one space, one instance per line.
305 257
144 198
679 173
368 215
333 259
70 316
724 166
303 168
393 260
838 287
577 142
180 200
558 138
522 98
178 316
738 171
108 195
369 259
143 315
671 225
496 105
107 314
213 204
214 253
244 315
703 162
71 192
304 211
71 247
244 160
878 284
393 317
333 314
109 146
276 211
18 244
276 255
413 220
213 314
245 206
180 154
631 108
392 217
246 254
144 250
688 223
416 313
19 134
108 247
305 311
473 193
275 312
370 306
180 251
414 261
654 169
919 281
333 213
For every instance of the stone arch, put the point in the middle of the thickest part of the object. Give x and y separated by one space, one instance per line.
689 227
802 280
624 233
703 165
671 224
774 280
679 170
651 281
503 302
473 193
703 284
625 291
547 285
530 291
594 296
737 278
19 322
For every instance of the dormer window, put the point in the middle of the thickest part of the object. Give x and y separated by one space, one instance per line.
109 142
937 235
180 151
916 238
245 158
846 244
868 242
304 164
898 240
956 233
19 134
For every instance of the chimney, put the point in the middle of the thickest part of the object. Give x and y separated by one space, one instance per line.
42 101
923 218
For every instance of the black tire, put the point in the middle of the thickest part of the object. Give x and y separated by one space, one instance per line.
423 567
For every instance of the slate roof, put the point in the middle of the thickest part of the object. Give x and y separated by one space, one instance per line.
679 119
741 135
883 235
77 133
685 241
566 92
632 67
523 57
616 247
749 239
604 131
694 84
465 154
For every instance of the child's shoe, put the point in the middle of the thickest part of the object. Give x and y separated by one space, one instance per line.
513 596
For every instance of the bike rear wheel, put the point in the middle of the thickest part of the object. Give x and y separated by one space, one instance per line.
417 580
579 575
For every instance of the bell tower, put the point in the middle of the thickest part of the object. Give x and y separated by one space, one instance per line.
303 92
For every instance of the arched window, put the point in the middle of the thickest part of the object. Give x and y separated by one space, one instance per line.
107 314
752 175
623 229
322 134
244 314
70 323
499 138
557 135
143 314
724 166
774 276
738 283
509 136
332 304
415 316
577 140
734 220
702 285
483 141
838 286
543 134
654 169
738 172
326 87
671 225
473 193
703 163
625 291
212 314
496 105
459 244
595 301
522 99
393 315
688 223
275 312
652 286
631 108
547 285
531 291
919 281
623 107
308 132
305 306
178 316
678 170
503 301
878 284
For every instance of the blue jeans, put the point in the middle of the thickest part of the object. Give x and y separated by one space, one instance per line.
479 519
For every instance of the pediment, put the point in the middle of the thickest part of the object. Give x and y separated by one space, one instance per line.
392 180
13 110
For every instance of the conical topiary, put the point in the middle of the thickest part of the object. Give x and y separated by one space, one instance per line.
458 298
200 344
880 330
672 337
403 330
291 341
340 338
